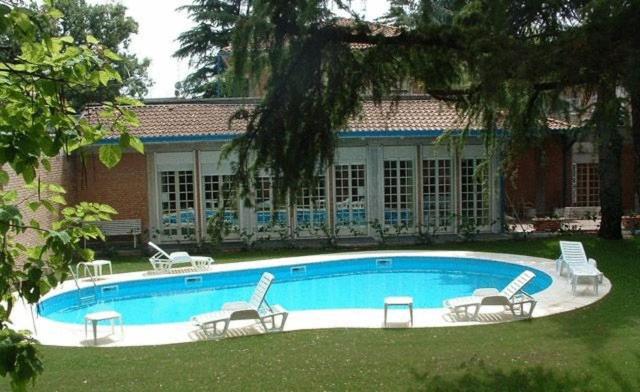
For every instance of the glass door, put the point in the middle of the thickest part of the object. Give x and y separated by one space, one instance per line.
398 194
474 194
351 202
177 213
437 194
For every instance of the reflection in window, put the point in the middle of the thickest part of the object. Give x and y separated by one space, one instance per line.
177 203
474 195
398 193
436 193
311 205
266 213
218 195
350 195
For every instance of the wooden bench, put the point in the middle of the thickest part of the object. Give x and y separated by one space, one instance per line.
132 227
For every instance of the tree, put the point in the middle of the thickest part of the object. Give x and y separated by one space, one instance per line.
110 25
38 122
503 63
204 45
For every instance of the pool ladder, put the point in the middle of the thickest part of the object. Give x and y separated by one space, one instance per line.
89 299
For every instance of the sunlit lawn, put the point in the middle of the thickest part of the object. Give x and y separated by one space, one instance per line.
593 349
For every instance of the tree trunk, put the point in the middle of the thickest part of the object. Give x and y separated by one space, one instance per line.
609 138
540 179
635 131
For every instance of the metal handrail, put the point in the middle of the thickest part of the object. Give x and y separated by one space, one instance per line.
75 280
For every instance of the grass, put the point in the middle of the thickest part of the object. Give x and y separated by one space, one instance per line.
593 349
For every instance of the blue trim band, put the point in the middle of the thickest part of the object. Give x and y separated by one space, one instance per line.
367 134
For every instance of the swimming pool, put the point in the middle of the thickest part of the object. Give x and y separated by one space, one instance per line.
355 283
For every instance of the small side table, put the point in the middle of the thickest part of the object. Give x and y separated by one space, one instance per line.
96 265
96 317
398 301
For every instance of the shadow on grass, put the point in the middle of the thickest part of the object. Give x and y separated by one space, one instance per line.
475 376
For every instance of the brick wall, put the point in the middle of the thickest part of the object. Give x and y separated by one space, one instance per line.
61 173
521 189
525 180
628 177
124 187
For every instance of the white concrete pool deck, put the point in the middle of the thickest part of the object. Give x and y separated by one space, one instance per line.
557 298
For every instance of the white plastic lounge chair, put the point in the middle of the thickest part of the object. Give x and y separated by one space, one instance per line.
272 318
511 297
164 261
574 258
572 253
257 301
216 324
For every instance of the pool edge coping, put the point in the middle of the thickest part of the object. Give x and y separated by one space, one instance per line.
555 299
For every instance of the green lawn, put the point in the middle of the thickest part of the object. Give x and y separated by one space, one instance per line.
593 349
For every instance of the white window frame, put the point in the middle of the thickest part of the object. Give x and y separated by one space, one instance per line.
211 166
262 230
354 199
176 163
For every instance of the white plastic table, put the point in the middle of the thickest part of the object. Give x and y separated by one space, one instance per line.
96 317
398 301
96 265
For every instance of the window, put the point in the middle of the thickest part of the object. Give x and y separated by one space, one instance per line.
311 205
266 213
474 195
587 185
436 193
351 206
218 194
177 203
398 193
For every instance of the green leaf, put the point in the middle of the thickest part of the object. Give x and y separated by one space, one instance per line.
58 199
110 155
47 204
46 164
91 39
111 55
56 188
104 77
34 205
55 13
9 197
136 144
107 209
4 177
67 39
29 174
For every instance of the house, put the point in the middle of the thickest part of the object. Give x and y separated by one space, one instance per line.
389 174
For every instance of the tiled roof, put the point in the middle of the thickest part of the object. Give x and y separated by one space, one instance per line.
375 29
183 118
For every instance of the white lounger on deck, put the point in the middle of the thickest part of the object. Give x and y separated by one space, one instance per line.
164 261
216 324
579 267
510 297
258 299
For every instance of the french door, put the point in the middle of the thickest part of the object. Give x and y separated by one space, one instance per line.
437 194
177 212
399 194
350 198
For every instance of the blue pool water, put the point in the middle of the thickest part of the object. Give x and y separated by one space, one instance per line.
356 283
